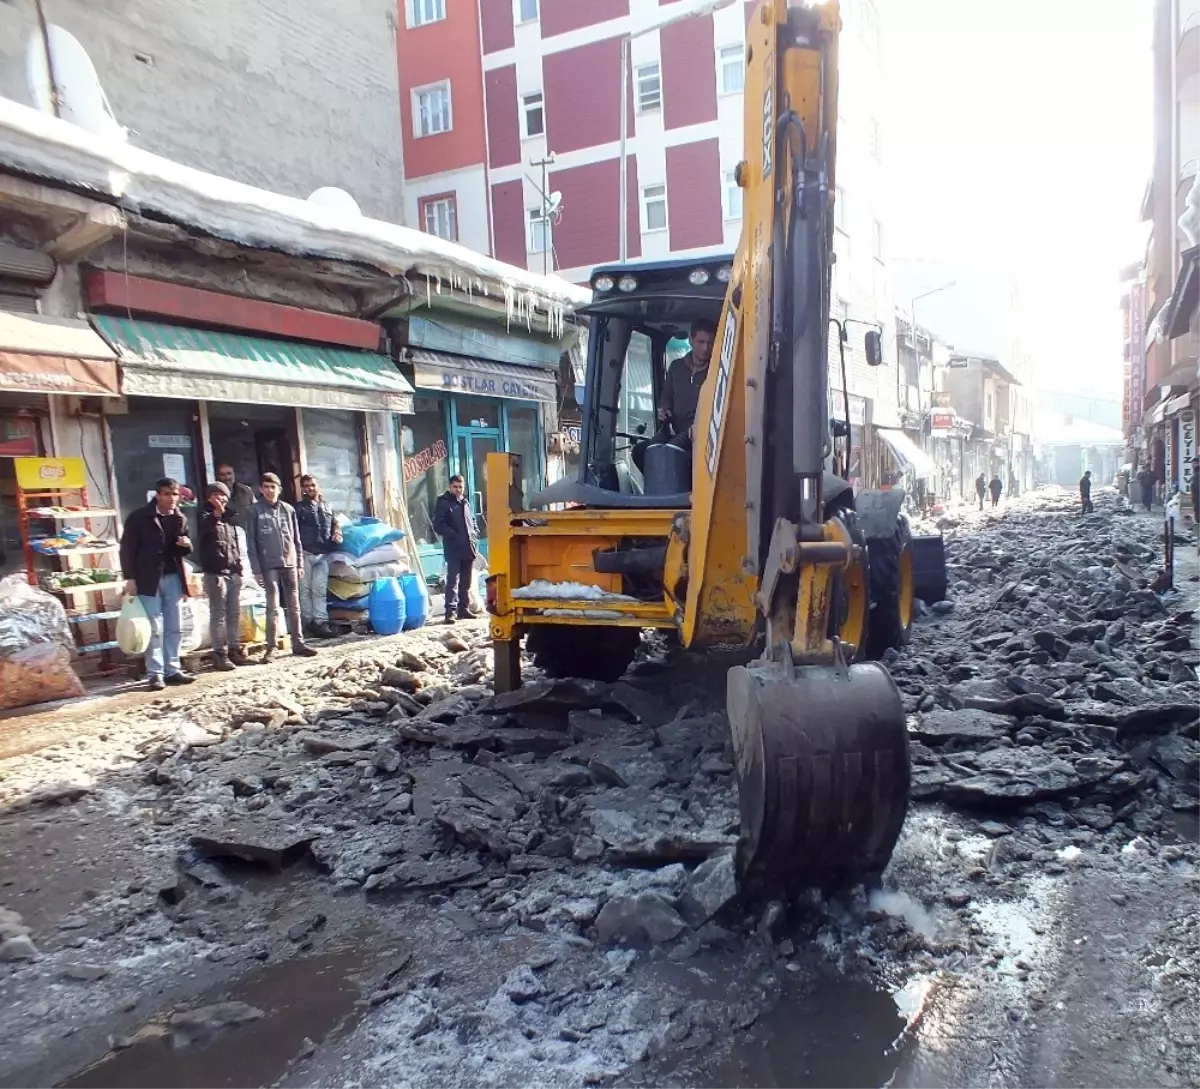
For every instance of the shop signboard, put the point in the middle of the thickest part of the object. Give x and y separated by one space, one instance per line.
942 422
1187 448
1137 352
18 437
50 474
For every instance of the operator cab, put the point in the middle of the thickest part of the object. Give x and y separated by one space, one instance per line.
640 318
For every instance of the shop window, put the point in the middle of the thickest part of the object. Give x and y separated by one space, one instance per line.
476 412
523 440
256 439
426 464
332 454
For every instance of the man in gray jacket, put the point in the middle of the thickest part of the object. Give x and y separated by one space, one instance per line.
276 558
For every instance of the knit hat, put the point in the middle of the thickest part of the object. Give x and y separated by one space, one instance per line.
270 478
216 488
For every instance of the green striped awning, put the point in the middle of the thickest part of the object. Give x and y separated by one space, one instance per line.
159 360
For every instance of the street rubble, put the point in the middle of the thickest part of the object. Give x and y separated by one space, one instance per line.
380 871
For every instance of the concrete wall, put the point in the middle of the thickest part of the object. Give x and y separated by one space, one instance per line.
284 96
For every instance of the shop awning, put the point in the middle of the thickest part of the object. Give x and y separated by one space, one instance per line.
55 355
481 377
159 360
911 456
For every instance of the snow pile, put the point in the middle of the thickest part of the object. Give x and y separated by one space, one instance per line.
567 591
34 143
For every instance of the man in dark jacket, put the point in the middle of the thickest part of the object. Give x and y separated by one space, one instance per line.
1085 492
980 488
1146 480
276 558
153 545
319 535
241 498
680 396
454 522
221 562
996 487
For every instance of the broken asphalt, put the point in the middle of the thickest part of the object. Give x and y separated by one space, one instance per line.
369 869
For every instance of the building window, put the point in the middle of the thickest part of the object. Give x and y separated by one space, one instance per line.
421 12
733 195
840 212
877 240
431 110
876 140
533 114
439 216
539 231
731 70
527 11
649 87
654 207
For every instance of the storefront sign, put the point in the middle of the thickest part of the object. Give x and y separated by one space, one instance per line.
942 421
574 433
1137 352
425 460
50 474
1187 444
941 398
480 378
170 442
58 374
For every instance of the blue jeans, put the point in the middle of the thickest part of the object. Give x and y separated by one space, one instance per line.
165 611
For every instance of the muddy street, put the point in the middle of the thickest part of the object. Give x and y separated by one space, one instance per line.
369 869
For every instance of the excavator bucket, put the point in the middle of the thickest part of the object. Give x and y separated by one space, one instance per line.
823 775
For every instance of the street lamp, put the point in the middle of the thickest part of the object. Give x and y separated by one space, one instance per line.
706 7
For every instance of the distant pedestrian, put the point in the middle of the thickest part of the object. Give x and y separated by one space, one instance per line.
996 487
152 550
454 522
1146 481
221 562
1085 492
980 488
319 535
277 560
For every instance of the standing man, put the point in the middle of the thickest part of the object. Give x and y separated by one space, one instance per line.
1146 481
1085 492
273 541
319 535
241 498
980 488
681 393
153 545
996 487
221 562
454 522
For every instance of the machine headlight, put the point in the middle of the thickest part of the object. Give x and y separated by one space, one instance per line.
603 283
725 273
698 277
627 283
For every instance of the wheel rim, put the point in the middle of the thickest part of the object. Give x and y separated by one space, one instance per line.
854 628
906 586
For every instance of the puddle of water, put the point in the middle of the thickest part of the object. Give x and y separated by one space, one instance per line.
836 1032
311 997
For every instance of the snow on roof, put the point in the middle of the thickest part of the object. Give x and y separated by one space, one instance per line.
35 143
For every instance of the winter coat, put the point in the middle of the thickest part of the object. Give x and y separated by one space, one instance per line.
273 537
980 485
454 522
316 526
219 551
995 487
144 554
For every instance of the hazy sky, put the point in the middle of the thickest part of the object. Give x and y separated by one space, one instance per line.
1019 136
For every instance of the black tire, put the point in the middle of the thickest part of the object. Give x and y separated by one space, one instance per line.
930 581
594 653
891 616
858 635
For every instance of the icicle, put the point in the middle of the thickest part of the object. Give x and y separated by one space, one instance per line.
428 292
439 284
509 300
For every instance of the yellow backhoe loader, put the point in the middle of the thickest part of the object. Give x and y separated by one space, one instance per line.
748 529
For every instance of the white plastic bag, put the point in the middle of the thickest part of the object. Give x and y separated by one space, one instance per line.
133 626
36 645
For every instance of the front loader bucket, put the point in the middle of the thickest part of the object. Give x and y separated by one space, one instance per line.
823 775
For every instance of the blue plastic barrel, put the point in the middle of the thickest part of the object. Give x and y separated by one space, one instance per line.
416 600
385 606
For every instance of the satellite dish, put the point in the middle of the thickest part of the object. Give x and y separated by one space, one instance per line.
81 99
555 202
330 196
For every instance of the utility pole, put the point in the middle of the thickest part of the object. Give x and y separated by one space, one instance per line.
548 231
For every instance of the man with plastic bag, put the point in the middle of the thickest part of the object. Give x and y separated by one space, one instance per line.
319 536
454 522
221 562
277 560
153 545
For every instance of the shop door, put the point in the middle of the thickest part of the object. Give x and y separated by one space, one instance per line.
473 448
